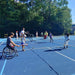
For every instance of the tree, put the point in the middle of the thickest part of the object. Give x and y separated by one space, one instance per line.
35 15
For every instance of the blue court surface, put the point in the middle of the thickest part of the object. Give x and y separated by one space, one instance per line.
40 57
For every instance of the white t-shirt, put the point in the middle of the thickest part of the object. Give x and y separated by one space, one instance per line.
22 32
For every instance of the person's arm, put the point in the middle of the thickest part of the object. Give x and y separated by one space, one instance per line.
14 43
26 32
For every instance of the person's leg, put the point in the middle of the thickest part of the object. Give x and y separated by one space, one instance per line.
52 40
12 48
67 44
23 48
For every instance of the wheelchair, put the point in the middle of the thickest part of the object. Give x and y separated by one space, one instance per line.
8 53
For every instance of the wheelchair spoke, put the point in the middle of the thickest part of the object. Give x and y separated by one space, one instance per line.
8 53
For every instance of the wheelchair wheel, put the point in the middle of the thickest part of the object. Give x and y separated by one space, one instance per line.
8 53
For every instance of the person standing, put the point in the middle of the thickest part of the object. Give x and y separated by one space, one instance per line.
41 34
23 40
22 31
37 34
66 40
17 35
45 34
51 37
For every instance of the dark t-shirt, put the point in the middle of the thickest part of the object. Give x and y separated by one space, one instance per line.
9 42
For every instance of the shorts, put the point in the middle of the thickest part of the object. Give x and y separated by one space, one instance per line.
22 43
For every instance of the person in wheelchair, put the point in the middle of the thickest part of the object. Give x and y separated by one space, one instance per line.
10 44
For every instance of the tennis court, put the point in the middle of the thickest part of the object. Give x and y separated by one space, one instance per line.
40 58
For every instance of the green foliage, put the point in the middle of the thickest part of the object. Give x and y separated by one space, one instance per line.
35 15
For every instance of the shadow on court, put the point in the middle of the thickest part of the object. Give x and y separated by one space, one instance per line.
50 50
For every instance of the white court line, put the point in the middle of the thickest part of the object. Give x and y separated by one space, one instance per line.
41 48
1 43
3 67
71 46
4 62
64 55
36 48
55 51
